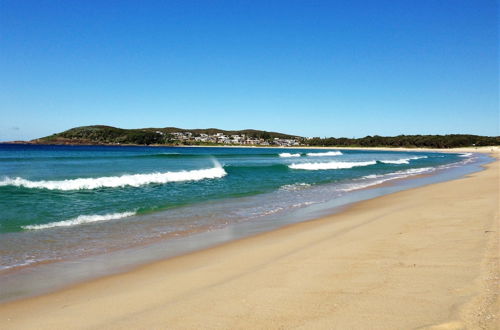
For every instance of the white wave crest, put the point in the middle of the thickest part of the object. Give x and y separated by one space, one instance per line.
381 178
133 180
414 171
372 176
329 165
287 154
402 160
323 154
295 186
400 174
467 154
81 220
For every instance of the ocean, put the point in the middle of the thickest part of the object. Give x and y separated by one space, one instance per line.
60 203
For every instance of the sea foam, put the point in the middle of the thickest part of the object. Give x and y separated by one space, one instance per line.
329 165
402 160
287 154
381 178
401 174
81 220
133 180
295 186
323 154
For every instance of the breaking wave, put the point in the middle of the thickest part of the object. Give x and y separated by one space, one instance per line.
401 174
467 154
376 179
323 154
330 165
287 154
80 220
402 160
133 180
295 186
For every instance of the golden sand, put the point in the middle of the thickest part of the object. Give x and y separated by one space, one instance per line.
421 258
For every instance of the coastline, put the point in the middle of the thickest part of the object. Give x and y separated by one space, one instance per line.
423 246
481 149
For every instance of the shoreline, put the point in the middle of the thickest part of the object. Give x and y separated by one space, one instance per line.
16 269
481 149
338 225
16 277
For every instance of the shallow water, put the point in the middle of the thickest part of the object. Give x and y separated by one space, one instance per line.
90 205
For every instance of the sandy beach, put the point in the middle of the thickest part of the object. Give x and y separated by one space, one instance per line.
249 165
422 258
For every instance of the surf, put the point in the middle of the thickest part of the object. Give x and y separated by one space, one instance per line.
324 154
131 180
402 160
329 165
82 219
287 155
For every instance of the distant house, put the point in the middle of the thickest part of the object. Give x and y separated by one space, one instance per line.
238 139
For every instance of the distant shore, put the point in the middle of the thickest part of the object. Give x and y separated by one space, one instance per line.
481 149
418 258
486 149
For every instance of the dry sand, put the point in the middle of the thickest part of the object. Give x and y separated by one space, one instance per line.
421 258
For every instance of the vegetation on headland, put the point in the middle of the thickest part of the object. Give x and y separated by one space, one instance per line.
100 134
177 136
410 141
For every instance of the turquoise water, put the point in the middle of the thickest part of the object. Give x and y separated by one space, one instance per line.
60 202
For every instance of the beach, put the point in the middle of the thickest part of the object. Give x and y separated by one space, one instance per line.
249 165
421 258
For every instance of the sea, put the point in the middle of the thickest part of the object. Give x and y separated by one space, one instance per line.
73 212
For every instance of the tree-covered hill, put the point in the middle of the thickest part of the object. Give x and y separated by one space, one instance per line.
100 134
410 141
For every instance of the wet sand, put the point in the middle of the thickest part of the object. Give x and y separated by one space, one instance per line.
425 257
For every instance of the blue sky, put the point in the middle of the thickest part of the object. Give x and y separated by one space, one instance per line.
312 68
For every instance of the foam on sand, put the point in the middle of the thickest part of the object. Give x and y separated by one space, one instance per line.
329 165
82 219
324 154
287 154
133 180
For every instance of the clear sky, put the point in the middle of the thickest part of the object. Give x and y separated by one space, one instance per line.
312 68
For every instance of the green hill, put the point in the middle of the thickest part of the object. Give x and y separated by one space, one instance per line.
100 134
